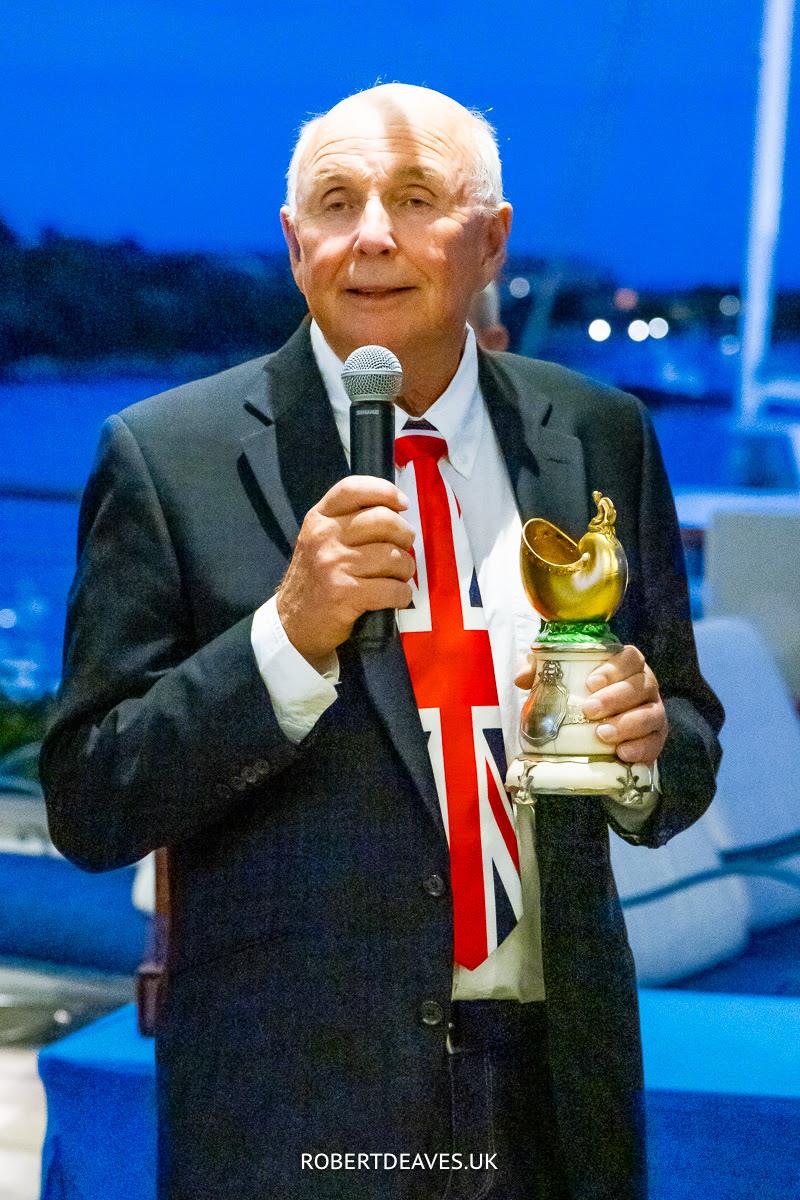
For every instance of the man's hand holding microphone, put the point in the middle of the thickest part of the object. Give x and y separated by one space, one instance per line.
353 552
352 556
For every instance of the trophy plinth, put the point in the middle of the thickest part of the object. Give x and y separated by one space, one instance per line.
576 588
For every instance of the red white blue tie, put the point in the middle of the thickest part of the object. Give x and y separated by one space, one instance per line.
446 644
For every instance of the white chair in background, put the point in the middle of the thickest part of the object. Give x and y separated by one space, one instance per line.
752 570
689 929
757 805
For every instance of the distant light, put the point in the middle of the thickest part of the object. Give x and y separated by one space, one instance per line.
730 344
599 330
638 331
8 618
519 287
625 299
658 327
730 306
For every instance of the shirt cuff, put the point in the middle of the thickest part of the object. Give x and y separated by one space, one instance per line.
299 694
631 817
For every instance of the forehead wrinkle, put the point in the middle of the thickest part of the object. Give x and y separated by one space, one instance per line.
402 173
363 154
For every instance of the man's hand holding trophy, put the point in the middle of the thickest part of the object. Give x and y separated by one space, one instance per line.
593 722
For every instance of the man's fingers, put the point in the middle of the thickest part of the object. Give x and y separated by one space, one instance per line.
361 491
629 661
377 524
619 697
383 561
628 729
642 750
374 594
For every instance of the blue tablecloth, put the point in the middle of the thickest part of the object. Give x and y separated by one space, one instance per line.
101 1114
52 912
722 1071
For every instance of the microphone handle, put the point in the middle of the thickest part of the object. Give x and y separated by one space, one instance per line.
372 453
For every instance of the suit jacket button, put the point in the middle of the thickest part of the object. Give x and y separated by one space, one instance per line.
250 774
434 885
261 768
431 1013
223 791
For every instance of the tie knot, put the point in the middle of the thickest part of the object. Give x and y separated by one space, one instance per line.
419 439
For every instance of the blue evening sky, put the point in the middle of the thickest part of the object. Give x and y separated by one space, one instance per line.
626 126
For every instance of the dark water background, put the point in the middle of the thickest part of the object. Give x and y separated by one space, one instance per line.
49 435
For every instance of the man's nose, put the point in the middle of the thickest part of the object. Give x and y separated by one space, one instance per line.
374 235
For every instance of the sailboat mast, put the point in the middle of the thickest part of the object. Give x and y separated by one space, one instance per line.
765 208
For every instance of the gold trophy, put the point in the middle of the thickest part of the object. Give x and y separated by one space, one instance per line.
576 589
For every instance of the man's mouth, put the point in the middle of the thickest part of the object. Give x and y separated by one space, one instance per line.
377 292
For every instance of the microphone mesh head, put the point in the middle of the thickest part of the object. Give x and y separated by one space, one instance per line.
374 372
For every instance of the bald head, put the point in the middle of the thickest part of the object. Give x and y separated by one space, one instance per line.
390 107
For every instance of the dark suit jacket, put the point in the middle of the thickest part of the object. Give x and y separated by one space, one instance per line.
305 941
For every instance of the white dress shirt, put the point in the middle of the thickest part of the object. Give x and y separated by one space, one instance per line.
475 469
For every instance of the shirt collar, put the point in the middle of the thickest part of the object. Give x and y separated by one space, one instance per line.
458 414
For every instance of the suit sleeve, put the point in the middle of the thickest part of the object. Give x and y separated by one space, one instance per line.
153 739
663 632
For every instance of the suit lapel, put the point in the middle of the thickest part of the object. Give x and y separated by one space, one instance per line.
388 683
296 454
545 465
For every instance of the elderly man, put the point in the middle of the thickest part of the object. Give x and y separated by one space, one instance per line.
382 983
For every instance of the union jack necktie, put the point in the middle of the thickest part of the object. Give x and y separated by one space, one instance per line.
446 644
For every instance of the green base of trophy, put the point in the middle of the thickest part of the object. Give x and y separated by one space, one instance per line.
561 752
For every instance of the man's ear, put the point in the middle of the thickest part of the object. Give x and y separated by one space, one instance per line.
492 337
293 244
498 228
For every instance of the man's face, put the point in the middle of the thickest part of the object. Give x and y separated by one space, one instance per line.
386 243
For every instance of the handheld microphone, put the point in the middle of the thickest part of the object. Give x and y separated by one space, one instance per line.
372 377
